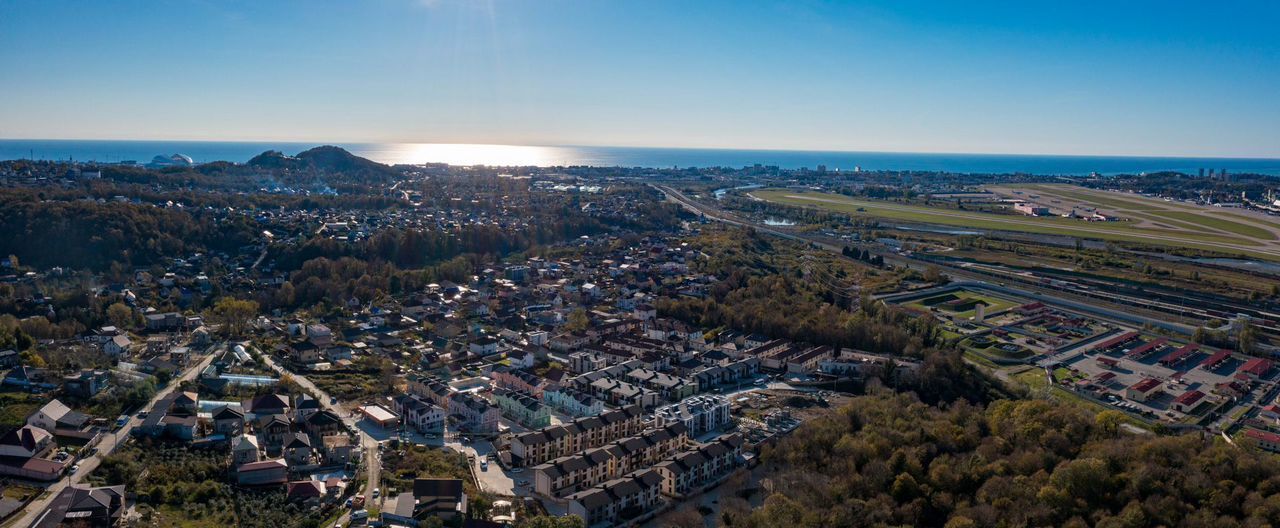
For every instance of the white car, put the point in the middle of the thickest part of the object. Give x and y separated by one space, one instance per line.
74 469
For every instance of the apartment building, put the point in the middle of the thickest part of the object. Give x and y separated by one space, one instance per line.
475 414
693 469
618 500
536 447
702 413
571 474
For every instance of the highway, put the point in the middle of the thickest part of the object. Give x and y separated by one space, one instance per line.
107 445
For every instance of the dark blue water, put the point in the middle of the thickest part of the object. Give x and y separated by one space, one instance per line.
505 155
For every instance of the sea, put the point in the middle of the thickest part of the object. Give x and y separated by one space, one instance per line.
113 151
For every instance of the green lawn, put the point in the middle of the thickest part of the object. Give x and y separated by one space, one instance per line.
1259 221
15 407
994 304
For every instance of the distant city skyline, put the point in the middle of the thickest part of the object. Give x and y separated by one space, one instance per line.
1094 78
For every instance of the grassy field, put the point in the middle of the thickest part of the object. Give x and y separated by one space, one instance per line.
1218 223
994 304
15 407
1114 231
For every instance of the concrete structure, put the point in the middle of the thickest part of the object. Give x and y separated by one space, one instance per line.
380 415
700 414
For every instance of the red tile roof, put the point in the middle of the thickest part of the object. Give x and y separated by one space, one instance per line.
1263 436
1213 360
1180 354
1146 385
1257 366
1122 338
1189 397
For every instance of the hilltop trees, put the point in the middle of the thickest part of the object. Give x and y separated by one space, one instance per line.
894 461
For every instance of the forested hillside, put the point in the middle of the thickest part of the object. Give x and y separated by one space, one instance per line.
894 461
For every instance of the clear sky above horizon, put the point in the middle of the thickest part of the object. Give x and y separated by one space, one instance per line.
1177 78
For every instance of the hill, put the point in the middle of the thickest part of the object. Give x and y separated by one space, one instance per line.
325 159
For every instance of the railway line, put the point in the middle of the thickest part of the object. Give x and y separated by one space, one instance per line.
1153 307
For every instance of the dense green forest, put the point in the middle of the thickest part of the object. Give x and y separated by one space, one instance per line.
89 234
890 460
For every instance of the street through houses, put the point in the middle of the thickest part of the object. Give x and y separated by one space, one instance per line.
107 445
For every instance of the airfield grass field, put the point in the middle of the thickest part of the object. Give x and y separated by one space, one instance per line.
1143 209
1218 223
1148 221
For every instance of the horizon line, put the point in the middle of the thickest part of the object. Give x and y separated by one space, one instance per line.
647 147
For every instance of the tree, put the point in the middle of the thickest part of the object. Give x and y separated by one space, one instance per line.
577 321
1108 422
120 315
546 521
934 275
1247 337
31 359
234 314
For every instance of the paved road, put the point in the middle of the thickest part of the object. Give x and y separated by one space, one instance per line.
368 444
106 446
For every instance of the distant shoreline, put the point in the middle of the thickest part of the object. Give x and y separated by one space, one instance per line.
116 151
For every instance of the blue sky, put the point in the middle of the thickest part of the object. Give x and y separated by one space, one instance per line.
1142 78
